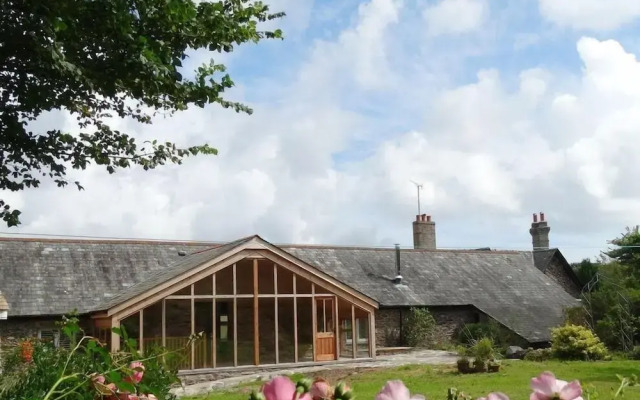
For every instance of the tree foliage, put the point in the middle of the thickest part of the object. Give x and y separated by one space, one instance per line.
108 59
611 294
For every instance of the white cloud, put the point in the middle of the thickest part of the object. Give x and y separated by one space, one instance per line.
489 152
590 14
455 16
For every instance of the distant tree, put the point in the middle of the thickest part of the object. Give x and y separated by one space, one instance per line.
103 59
627 252
586 270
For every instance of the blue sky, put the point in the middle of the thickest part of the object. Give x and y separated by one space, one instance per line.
501 109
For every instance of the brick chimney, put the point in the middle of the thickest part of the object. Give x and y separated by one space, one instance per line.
539 232
424 232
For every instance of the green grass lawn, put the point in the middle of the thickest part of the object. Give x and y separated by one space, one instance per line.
513 379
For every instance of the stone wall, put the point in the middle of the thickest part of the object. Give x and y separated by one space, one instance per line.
449 319
556 271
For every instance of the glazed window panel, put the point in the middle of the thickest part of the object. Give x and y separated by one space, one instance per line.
265 277
286 332
130 328
224 333
152 327
178 331
244 277
224 281
285 281
204 286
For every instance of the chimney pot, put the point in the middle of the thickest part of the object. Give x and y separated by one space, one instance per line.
418 217
424 233
539 233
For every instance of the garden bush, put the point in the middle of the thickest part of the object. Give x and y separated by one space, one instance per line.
634 354
574 342
539 355
500 336
419 328
37 370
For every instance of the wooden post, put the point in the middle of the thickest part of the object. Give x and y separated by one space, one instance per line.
256 322
214 334
275 309
235 319
193 329
314 322
372 335
295 321
164 323
354 334
337 329
141 332
115 338
164 326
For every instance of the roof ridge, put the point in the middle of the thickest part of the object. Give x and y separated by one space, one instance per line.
108 240
320 246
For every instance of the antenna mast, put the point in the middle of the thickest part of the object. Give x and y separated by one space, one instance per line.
418 188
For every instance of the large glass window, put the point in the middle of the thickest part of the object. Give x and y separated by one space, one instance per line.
273 316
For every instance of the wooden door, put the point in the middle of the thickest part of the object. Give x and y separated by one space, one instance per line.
325 349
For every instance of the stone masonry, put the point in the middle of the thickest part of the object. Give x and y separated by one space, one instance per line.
389 323
556 271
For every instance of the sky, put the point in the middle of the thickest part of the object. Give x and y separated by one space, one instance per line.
499 108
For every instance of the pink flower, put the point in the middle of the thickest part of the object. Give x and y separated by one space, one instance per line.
396 390
138 372
151 396
547 387
495 396
281 388
102 388
320 390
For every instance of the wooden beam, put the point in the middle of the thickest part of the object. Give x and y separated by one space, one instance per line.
214 334
235 318
256 322
141 332
354 334
275 309
193 329
295 322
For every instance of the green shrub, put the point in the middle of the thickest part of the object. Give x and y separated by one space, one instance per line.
539 355
501 337
574 342
483 350
634 354
419 328
36 369
575 316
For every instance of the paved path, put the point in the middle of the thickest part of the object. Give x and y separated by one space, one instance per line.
396 360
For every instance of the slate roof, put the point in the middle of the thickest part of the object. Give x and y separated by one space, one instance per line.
55 276
52 277
505 285
172 271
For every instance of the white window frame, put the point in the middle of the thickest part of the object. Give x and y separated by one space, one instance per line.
361 339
